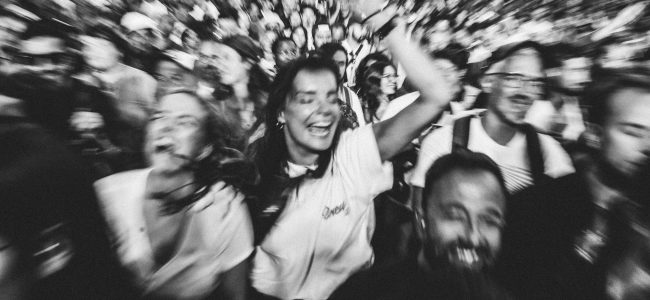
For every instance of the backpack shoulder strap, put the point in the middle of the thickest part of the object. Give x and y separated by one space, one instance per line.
346 91
535 155
460 133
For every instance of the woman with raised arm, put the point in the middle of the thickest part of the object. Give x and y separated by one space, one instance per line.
315 217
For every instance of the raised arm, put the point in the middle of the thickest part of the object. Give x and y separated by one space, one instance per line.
395 133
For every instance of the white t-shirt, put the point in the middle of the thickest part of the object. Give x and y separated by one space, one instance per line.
511 158
213 240
323 235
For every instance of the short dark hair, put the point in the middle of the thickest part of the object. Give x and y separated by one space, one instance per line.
329 49
455 53
611 81
276 44
464 160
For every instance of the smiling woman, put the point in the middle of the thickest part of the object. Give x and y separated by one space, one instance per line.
315 215
174 247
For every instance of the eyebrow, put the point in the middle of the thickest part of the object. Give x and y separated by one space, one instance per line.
494 212
633 125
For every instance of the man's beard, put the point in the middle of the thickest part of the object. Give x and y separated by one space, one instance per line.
23 84
459 256
462 281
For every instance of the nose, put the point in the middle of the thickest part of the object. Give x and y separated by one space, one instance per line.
472 234
325 107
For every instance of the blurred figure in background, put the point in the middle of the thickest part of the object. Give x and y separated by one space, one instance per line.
174 69
512 82
141 35
564 237
299 36
351 105
45 63
284 51
377 88
322 34
244 86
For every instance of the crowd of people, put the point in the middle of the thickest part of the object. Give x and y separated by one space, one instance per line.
324 149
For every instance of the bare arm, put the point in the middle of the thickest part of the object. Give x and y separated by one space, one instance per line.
393 134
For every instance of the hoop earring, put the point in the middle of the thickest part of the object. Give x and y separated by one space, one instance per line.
279 125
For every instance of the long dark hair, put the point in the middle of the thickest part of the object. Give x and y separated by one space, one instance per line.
271 154
223 163
370 87
303 48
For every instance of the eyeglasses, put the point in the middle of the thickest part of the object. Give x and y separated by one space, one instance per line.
42 59
517 81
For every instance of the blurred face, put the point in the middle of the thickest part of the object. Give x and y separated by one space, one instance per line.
206 65
178 127
47 58
450 72
191 41
140 41
625 137
341 60
294 19
322 35
388 82
338 34
463 220
308 18
100 54
439 39
311 114
182 10
171 76
345 9
576 73
228 27
516 84
232 67
357 32
10 31
298 36
286 52
290 4
463 37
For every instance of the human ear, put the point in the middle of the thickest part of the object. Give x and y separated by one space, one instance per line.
486 84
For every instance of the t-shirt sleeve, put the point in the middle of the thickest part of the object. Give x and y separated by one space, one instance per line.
357 157
557 162
434 145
